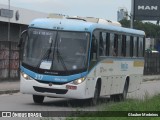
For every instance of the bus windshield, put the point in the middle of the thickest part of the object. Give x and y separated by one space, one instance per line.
56 50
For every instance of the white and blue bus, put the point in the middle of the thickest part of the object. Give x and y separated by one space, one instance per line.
73 58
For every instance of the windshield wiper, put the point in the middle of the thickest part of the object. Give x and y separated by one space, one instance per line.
59 57
46 55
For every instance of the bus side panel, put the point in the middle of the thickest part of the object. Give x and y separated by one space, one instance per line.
118 84
135 82
137 75
91 83
106 86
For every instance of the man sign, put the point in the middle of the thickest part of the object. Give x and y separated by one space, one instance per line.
147 9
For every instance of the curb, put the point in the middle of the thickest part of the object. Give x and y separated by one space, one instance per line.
9 91
151 78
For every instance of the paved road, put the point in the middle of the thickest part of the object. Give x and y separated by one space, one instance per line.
21 102
148 89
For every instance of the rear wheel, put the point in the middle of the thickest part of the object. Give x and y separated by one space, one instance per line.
38 99
123 96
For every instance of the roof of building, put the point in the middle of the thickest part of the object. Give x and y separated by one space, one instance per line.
19 15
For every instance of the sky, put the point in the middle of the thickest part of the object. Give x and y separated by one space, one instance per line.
87 8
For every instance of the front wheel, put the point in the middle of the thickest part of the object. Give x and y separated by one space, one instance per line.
38 99
94 100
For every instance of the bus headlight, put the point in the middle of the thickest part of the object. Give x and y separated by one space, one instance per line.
26 76
79 81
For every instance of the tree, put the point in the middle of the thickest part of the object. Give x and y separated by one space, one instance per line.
151 30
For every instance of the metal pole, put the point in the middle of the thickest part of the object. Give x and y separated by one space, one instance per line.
9 40
9 22
132 13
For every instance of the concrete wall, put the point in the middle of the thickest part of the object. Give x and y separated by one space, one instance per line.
15 31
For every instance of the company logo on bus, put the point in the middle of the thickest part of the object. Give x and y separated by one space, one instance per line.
124 66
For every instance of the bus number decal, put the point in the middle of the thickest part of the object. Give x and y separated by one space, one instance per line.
38 77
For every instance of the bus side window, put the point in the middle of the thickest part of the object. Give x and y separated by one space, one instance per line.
119 45
140 47
111 46
115 45
102 44
135 47
128 46
94 48
131 46
107 43
123 46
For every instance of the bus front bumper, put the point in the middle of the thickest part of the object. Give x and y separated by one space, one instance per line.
68 90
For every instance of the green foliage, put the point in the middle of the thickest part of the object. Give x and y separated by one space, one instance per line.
151 30
149 104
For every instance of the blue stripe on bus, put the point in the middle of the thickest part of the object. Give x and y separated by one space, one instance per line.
51 78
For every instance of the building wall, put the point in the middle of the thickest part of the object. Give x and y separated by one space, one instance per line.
15 31
25 15
9 52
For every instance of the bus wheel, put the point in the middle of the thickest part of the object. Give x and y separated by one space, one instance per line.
94 100
38 99
121 97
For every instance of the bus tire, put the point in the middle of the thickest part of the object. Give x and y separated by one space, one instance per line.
121 97
94 100
38 99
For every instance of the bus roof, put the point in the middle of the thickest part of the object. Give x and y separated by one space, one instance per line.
78 25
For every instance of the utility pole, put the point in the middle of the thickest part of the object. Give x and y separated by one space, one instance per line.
9 21
9 39
132 13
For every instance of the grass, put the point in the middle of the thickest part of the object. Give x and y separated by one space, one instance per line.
149 104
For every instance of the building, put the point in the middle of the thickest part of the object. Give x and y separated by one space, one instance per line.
12 22
15 19
122 14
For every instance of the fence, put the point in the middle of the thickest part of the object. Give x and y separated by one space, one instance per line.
152 63
9 60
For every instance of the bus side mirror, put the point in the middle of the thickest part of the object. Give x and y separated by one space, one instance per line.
22 38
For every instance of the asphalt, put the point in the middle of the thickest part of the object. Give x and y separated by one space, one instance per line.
13 86
9 87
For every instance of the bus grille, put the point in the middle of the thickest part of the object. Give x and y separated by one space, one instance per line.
47 82
48 90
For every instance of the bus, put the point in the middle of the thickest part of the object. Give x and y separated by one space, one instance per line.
78 59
